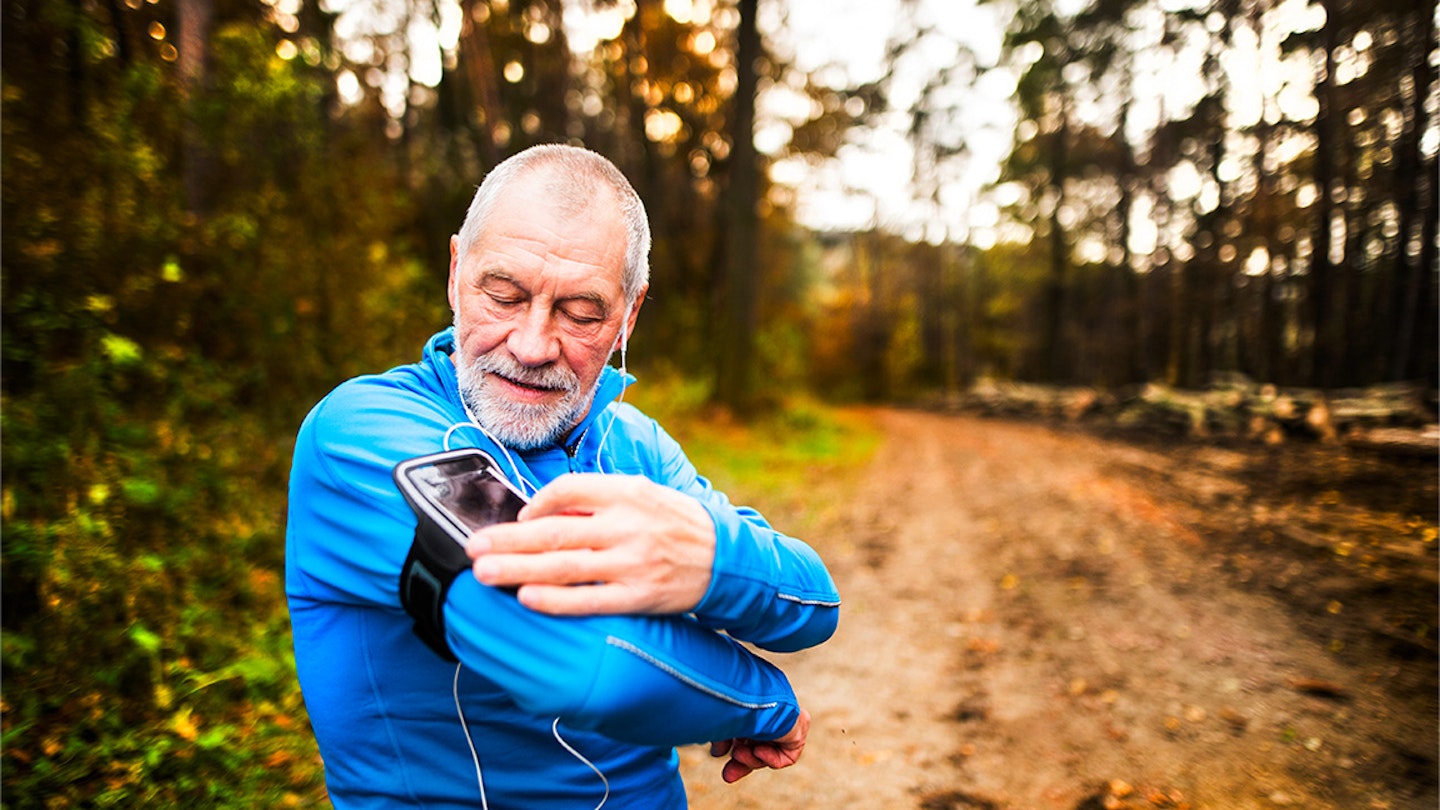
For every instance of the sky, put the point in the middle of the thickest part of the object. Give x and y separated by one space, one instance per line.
870 182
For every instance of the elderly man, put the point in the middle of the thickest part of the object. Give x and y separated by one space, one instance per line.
584 641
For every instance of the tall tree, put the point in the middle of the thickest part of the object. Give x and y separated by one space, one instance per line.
735 384
194 19
1324 354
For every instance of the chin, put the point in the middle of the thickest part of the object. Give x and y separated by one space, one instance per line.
526 426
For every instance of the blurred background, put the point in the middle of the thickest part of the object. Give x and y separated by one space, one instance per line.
216 210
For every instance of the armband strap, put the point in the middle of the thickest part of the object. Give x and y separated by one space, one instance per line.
435 560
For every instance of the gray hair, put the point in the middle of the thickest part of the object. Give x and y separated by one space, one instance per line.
575 176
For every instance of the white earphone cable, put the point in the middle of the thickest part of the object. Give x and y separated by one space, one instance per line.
555 729
600 448
524 484
520 480
474 755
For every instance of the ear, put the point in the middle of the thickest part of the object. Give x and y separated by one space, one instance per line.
634 314
452 286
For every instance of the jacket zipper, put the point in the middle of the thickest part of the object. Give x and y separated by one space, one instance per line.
572 450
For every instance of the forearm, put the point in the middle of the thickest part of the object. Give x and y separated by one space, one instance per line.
647 680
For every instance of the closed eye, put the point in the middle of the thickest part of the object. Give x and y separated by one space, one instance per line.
506 300
581 319
502 290
583 311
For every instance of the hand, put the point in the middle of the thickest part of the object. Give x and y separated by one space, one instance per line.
751 755
590 544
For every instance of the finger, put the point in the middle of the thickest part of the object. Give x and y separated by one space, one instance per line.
775 757
744 753
577 493
584 600
735 771
721 747
537 536
554 568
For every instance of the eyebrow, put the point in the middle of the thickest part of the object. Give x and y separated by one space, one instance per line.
496 274
588 296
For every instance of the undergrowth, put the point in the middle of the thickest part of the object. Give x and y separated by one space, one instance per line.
774 460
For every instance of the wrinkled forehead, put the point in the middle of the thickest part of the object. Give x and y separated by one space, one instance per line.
543 227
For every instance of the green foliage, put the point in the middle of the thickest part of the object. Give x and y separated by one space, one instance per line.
767 461
157 361
903 352
145 637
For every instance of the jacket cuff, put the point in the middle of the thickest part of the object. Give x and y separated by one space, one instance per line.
766 588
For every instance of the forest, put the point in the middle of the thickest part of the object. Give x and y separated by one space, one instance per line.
216 210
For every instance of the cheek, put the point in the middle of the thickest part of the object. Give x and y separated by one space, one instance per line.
587 357
476 333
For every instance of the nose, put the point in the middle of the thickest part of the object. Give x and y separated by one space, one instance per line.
532 341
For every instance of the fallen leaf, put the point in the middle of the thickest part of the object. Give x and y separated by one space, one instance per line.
1234 718
1315 686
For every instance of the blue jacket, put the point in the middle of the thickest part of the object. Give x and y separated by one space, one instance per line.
621 691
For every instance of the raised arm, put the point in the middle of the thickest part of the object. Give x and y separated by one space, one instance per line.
658 680
660 540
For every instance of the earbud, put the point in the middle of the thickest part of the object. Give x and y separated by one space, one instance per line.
624 339
624 336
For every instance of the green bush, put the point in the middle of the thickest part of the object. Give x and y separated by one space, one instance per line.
157 362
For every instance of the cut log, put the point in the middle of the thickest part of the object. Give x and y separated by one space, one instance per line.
1421 442
1395 418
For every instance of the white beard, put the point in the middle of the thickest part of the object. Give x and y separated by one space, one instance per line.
518 425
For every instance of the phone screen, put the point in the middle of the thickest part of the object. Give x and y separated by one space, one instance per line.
466 490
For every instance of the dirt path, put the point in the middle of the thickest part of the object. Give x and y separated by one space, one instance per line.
1038 619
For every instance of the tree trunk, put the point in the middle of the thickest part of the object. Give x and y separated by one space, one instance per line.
735 386
1056 358
1417 205
1175 364
193 18
1322 271
954 353
480 72
1130 353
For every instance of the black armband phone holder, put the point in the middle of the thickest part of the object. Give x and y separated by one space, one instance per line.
435 560
453 494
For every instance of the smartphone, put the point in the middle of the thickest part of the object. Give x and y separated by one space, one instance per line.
460 491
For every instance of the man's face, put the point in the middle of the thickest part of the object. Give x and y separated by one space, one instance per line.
538 310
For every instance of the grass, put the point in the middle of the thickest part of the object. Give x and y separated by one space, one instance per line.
791 463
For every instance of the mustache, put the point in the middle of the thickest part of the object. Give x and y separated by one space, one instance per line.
502 365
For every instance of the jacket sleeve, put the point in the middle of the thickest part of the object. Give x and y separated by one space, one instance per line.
663 680
766 588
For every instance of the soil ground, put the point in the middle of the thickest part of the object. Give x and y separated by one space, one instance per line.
1047 618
